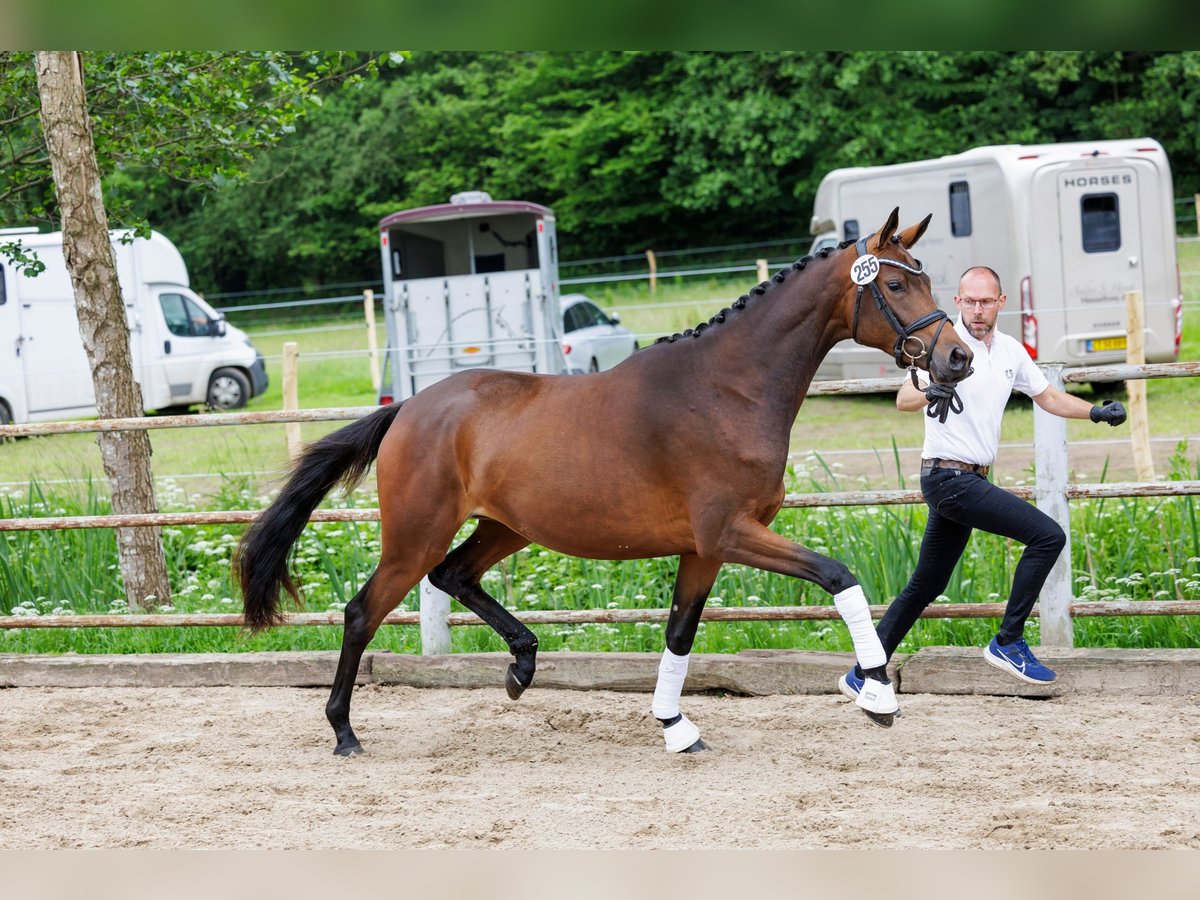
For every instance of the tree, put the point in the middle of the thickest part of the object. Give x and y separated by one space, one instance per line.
200 117
101 314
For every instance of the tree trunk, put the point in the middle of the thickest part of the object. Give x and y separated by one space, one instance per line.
101 312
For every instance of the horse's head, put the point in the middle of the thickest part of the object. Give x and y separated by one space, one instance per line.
893 306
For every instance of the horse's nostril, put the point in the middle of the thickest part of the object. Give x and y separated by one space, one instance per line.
959 359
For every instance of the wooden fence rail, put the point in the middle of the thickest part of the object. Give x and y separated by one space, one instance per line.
601 616
790 501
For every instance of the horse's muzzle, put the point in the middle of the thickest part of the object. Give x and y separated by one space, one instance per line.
953 367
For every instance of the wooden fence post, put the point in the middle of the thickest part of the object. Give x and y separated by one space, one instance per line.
291 396
654 269
435 627
1197 199
763 274
1050 493
1139 417
372 340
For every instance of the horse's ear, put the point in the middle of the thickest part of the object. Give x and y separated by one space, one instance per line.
910 236
888 229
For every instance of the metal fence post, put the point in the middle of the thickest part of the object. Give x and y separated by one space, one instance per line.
1050 493
435 630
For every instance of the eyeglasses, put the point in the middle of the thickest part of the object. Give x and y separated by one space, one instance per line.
988 303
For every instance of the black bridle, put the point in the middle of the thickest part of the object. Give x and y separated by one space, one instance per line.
904 335
945 399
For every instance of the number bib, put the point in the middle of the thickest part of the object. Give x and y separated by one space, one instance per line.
865 269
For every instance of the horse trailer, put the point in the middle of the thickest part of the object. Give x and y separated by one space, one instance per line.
183 351
468 284
1070 228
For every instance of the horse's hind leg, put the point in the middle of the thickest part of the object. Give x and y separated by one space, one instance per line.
692 584
382 593
458 575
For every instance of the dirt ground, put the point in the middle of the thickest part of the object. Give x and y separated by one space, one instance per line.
253 768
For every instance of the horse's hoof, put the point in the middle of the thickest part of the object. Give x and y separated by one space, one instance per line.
696 747
512 684
883 720
354 749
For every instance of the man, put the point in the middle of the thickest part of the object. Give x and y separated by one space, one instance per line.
959 450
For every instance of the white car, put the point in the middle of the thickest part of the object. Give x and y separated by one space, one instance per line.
592 340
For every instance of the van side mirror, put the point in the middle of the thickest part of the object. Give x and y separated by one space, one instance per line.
216 327
614 318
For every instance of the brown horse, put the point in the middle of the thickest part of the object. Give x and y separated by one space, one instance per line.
678 451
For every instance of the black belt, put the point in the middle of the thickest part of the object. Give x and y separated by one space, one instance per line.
929 465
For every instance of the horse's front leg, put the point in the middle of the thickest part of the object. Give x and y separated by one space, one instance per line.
692 584
751 543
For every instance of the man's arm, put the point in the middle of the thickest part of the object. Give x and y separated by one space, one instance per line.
1060 403
909 398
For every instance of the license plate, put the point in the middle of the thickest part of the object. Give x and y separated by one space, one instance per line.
1101 344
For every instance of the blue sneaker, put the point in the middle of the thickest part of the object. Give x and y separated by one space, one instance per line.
851 684
1018 660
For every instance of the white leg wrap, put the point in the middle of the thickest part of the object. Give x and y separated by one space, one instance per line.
672 671
877 698
681 735
852 607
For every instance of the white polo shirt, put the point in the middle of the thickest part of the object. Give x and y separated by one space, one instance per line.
973 436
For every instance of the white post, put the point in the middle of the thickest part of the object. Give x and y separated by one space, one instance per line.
650 258
291 396
1050 493
435 630
763 272
372 340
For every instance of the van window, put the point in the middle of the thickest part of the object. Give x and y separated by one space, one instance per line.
1101 216
183 317
960 209
3 296
850 230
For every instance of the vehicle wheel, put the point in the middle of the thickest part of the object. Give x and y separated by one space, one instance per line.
228 389
594 366
5 419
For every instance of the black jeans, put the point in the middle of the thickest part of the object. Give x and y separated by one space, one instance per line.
959 502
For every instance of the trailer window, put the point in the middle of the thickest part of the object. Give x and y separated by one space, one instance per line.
850 230
960 209
1101 219
3 296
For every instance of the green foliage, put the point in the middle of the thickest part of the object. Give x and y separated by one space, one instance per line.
648 149
192 117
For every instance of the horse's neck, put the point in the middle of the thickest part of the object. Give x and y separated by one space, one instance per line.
772 349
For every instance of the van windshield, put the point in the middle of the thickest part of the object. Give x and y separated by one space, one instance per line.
183 317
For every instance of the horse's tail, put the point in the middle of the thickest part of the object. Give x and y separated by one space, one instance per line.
261 561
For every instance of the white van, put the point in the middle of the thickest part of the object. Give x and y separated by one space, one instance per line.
1070 228
469 284
183 351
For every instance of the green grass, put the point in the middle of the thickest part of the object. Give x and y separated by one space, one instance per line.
1139 549
332 559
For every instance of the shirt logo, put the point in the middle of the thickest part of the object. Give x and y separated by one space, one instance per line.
1008 373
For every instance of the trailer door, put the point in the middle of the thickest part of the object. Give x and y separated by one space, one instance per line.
1100 225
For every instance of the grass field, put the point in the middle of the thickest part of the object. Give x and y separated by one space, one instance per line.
229 468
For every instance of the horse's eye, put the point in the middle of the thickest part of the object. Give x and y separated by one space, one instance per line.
894 285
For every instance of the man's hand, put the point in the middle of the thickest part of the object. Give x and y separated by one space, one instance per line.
943 400
1111 411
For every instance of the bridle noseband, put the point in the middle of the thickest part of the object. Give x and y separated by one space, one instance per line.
943 399
904 335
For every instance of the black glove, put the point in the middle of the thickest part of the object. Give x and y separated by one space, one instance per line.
943 400
1111 411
